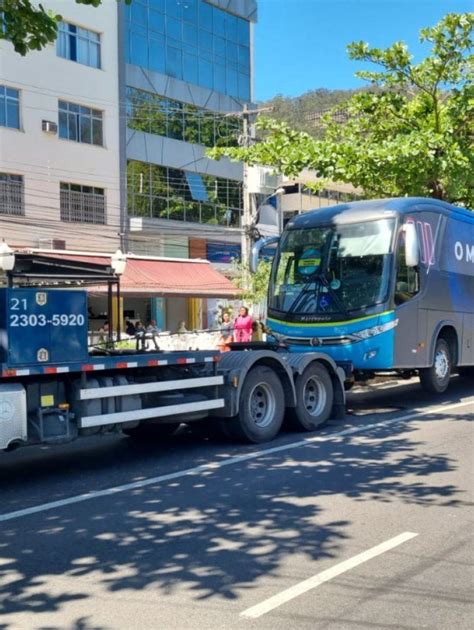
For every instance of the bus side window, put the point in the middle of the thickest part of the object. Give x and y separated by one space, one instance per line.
408 282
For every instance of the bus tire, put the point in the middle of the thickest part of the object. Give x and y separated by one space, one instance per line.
314 398
435 379
149 431
261 407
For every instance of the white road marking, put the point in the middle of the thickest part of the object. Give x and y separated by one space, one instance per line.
212 466
318 579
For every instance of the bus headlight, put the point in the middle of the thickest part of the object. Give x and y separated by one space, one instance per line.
368 333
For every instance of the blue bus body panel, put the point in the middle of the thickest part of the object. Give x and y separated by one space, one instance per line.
374 353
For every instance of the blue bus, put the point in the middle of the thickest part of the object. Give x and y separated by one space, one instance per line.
379 285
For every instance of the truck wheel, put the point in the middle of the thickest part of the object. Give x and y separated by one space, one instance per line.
152 431
261 407
435 379
314 398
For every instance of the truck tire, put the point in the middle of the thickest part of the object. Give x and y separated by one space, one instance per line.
261 408
314 398
435 379
150 431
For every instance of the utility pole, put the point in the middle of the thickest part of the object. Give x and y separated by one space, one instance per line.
247 216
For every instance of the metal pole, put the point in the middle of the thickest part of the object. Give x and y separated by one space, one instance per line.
247 211
119 310
109 312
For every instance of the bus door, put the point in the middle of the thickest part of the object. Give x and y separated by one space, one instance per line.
406 298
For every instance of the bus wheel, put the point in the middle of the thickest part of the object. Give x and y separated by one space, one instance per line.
314 398
261 407
435 379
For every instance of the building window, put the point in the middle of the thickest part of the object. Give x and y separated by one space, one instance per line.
78 44
9 107
82 204
11 194
81 124
192 41
166 117
167 193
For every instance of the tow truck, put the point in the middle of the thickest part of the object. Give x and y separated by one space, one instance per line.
55 388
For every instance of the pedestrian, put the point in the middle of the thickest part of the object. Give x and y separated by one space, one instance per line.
243 326
258 329
130 328
182 327
226 336
152 328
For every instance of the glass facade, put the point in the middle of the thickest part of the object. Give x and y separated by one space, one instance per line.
166 117
192 41
161 192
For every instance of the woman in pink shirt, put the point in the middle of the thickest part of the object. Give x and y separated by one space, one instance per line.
243 326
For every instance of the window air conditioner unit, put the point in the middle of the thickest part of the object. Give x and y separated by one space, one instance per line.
49 126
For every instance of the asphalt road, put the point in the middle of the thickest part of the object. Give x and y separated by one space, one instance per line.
365 524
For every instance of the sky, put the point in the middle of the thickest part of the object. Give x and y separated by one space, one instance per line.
300 45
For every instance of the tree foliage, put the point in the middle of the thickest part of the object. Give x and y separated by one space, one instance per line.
254 286
413 135
31 27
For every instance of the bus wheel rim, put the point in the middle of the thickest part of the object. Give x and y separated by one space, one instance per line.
262 405
441 364
314 396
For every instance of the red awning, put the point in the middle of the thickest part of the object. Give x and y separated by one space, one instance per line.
162 277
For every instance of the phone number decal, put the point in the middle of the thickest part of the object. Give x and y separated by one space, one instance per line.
41 320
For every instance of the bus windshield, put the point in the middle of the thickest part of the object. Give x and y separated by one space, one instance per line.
332 269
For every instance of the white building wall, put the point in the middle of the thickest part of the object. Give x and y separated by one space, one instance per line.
45 160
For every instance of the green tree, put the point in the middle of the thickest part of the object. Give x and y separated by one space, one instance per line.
257 283
412 135
29 27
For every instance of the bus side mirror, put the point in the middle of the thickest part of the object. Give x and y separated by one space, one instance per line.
257 248
411 245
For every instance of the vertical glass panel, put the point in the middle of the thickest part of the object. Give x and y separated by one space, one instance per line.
158 116
173 62
97 137
190 11
207 129
232 52
157 55
190 68
219 23
72 46
192 118
244 32
62 44
82 51
138 13
139 49
175 121
219 46
13 114
205 40
244 56
173 28
156 21
159 207
63 125
174 8
231 27
232 83
206 15
206 78
244 86
157 5
220 78
190 34
85 129
94 54
73 120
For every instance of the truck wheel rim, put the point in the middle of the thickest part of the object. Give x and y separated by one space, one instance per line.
262 405
441 364
314 396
